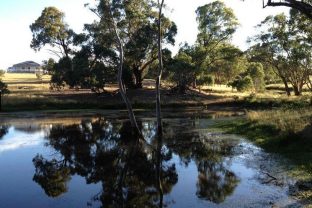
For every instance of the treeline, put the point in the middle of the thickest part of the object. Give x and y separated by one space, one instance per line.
280 53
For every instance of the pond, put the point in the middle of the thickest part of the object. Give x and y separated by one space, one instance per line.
93 161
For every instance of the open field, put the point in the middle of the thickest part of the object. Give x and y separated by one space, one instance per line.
26 82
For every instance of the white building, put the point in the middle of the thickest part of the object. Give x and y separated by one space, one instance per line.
25 67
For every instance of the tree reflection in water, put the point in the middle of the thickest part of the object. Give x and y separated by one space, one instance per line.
4 129
106 153
132 172
215 180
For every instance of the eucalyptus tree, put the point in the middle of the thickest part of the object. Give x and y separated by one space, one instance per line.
182 70
287 43
50 29
264 53
112 17
159 163
228 62
141 48
138 33
256 72
216 24
160 68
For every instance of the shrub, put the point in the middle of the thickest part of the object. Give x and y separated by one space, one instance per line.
4 88
39 75
256 72
242 84
205 80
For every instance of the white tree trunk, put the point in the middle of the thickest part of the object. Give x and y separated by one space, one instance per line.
160 69
121 85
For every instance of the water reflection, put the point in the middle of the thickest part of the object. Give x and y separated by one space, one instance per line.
133 172
105 153
215 180
4 129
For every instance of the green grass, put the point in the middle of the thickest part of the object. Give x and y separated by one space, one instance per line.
287 132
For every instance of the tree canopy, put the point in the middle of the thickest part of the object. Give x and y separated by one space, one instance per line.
51 29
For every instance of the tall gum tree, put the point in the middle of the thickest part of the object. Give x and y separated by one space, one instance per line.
288 41
138 32
50 29
111 16
158 107
216 24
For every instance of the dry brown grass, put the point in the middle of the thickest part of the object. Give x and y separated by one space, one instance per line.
26 83
286 120
23 78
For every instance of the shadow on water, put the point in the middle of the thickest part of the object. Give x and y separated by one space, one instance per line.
133 172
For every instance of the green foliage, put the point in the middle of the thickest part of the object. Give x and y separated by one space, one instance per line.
48 65
51 29
213 54
256 72
182 71
215 22
59 76
51 176
285 44
281 131
81 72
228 64
137 25
4 88
205 80
242 84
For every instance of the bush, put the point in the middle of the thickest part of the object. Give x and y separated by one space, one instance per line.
205 80
4 88
256 72
242 84
39 75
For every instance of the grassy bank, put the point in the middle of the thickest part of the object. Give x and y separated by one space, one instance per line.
287 132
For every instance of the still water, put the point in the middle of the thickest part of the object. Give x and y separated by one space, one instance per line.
95 162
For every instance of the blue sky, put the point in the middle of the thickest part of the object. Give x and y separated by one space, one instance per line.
17 15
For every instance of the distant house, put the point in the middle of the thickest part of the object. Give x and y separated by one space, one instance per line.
25 67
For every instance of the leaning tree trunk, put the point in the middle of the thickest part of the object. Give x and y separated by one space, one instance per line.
121 85
160 69
158 107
